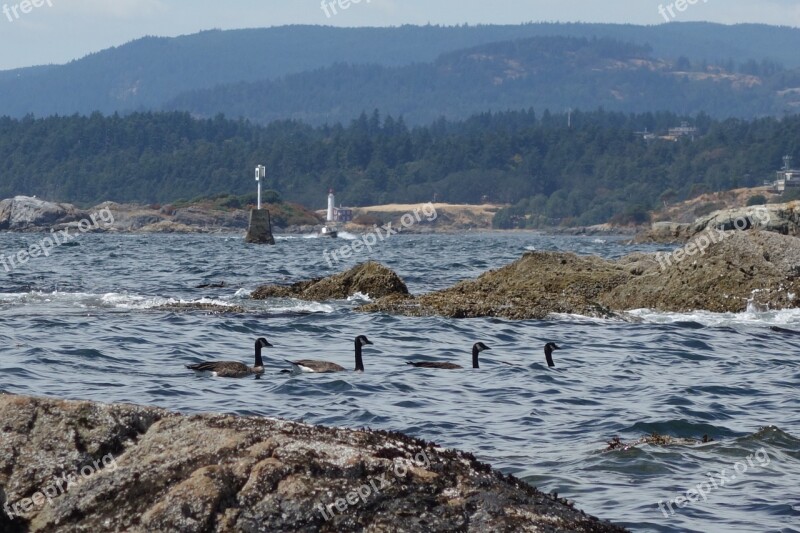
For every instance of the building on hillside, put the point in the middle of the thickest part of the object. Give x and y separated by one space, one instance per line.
787 177
684 130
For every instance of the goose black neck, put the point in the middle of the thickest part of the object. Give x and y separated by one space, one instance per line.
259 361
475 357
359 361
548 354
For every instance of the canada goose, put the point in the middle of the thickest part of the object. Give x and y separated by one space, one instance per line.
477 348
232 369
548 353
321 367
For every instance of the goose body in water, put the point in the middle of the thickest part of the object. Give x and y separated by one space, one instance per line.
232 369
548 353
477 348
322 367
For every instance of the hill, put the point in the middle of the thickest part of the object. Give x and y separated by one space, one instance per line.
553 73
147 73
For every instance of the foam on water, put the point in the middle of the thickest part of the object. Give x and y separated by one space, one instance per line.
749 318
346 235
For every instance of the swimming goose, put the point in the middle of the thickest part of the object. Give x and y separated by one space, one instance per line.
322 367
232 369
548 353
477 348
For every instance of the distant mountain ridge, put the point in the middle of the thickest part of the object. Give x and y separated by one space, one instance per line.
147 73
554 73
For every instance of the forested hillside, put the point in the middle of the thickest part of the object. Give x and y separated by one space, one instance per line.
147 73
598 168
542 72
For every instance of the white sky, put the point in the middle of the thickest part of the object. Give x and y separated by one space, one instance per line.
60 30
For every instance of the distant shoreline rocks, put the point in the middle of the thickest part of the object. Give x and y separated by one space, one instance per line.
23 213
29 214
777 218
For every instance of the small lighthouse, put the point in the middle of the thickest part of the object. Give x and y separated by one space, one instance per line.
331 204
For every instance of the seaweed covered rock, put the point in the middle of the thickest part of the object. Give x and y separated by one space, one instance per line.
538 284
369 278
79 466
753 268
725 273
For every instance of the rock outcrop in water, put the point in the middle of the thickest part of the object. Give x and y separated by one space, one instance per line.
655 439
740 269
80 466
369 278
24 213
535 286
779 218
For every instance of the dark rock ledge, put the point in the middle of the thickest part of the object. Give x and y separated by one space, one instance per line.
367 278
739 269
170 472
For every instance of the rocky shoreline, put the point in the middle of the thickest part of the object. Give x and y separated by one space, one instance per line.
778 218
71 466
739 270
30 214
26 214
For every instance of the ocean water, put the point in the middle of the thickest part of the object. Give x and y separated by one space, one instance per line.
83 323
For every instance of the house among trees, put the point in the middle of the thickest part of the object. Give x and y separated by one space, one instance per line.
684 130
787 177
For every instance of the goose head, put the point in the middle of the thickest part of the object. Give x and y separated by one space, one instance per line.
362 340
263 343
480 347
477 348
548 353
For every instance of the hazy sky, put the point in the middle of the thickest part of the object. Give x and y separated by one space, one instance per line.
60 30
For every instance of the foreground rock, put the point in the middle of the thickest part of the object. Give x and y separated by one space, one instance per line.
368 278
142 469
743 268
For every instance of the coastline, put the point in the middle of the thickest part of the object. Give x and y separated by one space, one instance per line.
32 215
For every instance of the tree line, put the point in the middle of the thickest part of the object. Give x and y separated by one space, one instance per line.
549 169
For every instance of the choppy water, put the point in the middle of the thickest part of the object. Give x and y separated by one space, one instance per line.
81 324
